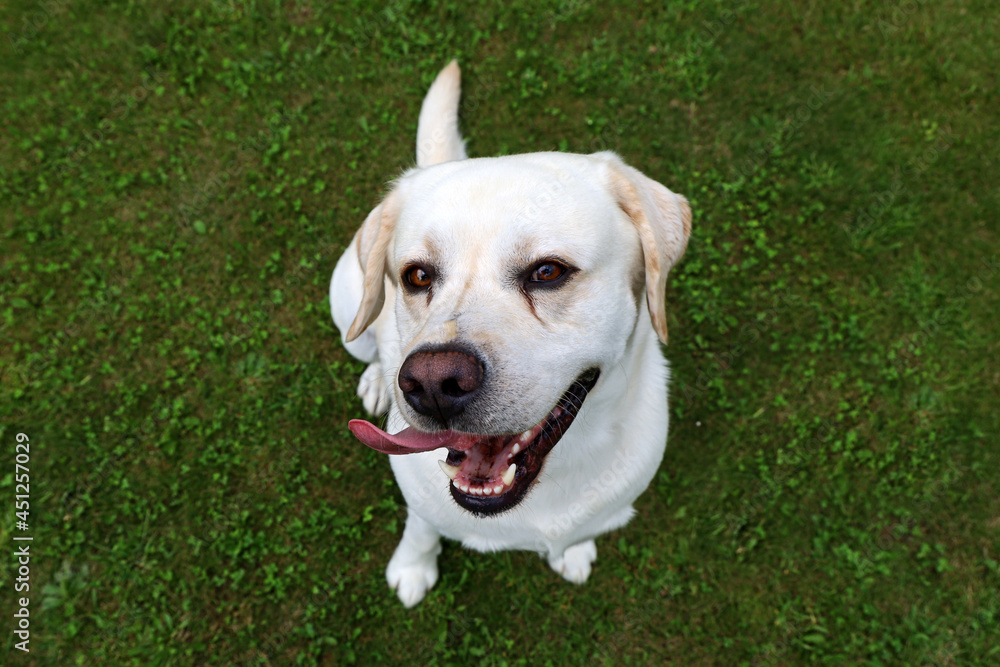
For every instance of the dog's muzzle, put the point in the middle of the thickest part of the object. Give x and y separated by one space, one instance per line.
489 473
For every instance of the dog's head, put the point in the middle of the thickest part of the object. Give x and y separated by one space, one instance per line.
518 280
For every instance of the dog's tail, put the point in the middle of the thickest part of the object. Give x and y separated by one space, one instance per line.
438 139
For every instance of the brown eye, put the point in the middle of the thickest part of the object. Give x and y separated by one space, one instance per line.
547 272
418 277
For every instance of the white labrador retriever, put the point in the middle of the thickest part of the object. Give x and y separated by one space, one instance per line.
509 309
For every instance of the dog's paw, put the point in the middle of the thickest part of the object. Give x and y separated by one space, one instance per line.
574 564
373 390
412 581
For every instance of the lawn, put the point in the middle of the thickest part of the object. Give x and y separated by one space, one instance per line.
179 178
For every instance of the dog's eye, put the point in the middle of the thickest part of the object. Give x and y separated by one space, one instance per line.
547 272
417 277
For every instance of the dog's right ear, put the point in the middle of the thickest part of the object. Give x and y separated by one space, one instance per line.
373 240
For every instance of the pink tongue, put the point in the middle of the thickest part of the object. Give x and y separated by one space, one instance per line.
407 441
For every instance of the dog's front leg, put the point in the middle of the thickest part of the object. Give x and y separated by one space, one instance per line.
373 389
574 563
413 569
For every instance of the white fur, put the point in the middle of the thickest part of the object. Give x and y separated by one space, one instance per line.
478 220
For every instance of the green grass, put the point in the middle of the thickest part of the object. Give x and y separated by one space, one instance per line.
178 180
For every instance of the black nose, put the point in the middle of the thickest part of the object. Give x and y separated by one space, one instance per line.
439 383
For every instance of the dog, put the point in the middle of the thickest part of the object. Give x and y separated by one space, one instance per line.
511 311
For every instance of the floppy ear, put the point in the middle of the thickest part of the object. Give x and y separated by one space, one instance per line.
373 240
663 221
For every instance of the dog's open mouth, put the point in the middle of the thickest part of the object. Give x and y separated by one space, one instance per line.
489 473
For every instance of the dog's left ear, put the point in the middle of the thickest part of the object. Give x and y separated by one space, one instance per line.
373 240
663 221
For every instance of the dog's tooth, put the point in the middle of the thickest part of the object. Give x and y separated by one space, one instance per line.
497 489
487 491
449 470
464 488
508 475
526 436
516 449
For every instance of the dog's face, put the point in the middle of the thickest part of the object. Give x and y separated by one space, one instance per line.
517 281
524 267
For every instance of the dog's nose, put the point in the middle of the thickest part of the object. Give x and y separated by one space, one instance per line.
439 383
